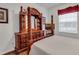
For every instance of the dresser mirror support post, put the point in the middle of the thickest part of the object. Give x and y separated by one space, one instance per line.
52 25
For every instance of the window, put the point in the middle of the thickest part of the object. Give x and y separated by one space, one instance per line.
68 19
68 23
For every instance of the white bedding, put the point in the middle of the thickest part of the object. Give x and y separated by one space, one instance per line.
56 45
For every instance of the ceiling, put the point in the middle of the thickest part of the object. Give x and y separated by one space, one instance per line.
49 5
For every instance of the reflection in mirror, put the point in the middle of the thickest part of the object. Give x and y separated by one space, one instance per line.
32 22
26 23
35 23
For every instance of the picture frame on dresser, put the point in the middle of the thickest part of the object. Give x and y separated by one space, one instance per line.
3 15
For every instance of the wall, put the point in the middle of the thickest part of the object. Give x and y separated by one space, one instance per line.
7 31
54 11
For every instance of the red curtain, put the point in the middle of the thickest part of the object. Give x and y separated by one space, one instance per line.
68 10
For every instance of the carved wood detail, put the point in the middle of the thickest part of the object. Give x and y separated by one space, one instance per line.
26 37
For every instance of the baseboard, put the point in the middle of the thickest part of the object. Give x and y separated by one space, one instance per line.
9 53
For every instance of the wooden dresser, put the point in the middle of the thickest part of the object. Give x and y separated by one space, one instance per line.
26 37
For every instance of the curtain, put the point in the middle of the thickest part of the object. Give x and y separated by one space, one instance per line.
70 9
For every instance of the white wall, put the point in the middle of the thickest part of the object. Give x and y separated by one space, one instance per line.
6 31
7 38
54 12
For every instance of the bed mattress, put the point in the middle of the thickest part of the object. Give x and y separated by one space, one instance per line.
56 45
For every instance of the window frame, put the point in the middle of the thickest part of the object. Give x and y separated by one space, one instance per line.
76 30
68 10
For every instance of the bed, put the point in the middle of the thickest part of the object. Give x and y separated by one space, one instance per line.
56 45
